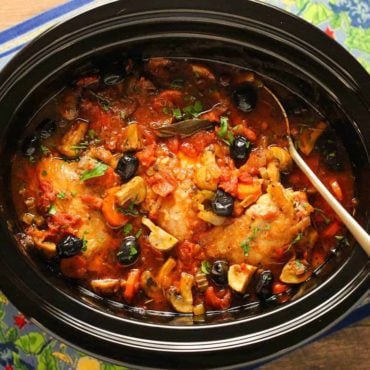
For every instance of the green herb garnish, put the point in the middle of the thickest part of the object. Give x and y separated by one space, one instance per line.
52 210
224 133
92 134
130 210
165 110
61 195
205 267
81 146
177 83
297 238
98 171
44 149
138 233
127 229
176 112
44 173
245 245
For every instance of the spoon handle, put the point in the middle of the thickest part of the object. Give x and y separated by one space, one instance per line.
352 225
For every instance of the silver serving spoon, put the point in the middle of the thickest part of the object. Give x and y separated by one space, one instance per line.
358 232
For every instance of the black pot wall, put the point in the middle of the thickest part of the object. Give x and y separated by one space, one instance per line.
243 33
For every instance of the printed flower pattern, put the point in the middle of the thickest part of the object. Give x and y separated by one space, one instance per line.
23 346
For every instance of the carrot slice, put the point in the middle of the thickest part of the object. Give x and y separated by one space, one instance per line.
337 190
109 209
132 284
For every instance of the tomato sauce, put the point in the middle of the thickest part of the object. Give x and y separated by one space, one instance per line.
169 187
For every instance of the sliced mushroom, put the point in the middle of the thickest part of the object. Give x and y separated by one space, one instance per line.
158 238
183 301
308 138
69 143
106 286
134 190
210 216
201 281
132 139
163 277
202 72
239 276
149 285
103 155
295 272
283 157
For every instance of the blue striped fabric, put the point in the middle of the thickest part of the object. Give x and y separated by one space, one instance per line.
14 38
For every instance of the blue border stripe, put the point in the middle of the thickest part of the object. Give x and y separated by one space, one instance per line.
13 50
40 19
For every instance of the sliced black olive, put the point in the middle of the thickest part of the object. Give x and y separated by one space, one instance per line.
264 284
69 246
219 272
240 150
223 203
245 97
30 145
127 166
129 251
46 128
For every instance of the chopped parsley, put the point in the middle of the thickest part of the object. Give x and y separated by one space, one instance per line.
178 83
127 229
224 133
176 112
298 238
61 195
84 244
245 245
44 173
165 110
52 210
138 233
133 251
98 171
81 146
205 267
130 210
92 134
44 149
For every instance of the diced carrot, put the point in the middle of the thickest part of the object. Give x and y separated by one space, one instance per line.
113 217
278 288
331 230
132 285
218 300
337 190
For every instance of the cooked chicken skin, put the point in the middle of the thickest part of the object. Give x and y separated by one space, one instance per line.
271 223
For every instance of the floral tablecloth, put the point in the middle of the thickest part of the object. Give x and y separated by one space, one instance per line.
24 346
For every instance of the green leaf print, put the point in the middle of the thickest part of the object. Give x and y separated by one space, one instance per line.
340 20
317 13
30 343
301 3
17 362
359 38
11 334
46 360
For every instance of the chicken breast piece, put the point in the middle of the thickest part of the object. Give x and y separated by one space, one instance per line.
270 224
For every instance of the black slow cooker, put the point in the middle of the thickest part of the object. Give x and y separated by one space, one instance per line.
244 33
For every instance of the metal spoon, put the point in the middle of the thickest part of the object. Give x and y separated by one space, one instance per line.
358 232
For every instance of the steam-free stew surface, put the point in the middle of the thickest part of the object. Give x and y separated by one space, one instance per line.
188 217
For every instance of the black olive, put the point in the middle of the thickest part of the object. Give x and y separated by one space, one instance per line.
46 128
129 251
219 272
127 166
69 246
245 97
223 203
240 150
30 145
264 284
331 151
